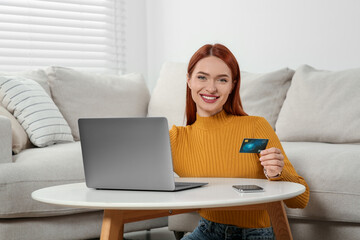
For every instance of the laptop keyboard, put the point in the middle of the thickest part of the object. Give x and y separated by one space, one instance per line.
187 185
183 184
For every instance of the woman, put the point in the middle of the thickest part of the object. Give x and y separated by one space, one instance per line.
209 145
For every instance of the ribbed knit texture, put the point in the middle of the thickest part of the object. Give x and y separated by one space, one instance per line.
210 148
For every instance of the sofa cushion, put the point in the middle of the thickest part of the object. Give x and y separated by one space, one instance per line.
168 97
37 168
261 94
82 95
321 106
38 75
35 111
20 140
331 171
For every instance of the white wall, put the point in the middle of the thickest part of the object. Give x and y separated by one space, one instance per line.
135 36
264 35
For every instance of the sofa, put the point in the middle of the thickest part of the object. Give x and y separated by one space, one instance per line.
26 167
312 111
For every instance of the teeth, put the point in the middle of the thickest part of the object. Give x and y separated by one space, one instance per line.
209 98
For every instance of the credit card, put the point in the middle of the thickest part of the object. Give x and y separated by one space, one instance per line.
253 145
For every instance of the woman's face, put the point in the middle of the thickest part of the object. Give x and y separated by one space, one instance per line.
210 84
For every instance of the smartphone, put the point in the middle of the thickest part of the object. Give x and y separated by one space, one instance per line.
248 188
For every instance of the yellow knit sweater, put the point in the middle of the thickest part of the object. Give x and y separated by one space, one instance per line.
210 148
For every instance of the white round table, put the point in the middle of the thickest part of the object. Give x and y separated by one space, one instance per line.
129 206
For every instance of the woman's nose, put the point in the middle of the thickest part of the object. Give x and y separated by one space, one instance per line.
211 87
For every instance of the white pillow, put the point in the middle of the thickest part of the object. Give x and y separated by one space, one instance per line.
321 106
168 97
35 111
261 94
84 95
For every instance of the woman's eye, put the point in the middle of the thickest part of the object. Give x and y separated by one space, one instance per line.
223 80
202 77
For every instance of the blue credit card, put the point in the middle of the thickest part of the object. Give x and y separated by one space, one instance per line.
253 145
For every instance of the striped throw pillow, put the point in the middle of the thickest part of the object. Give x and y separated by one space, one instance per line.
35 111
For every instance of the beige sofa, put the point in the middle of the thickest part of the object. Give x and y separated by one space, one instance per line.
316 115
76 94
314 112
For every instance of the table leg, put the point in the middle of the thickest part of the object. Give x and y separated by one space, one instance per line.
277 214
279 220
114 220
113 225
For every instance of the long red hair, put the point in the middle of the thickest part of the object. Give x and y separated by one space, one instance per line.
233 104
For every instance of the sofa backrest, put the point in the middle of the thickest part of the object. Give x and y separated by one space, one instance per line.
86 95
80 94
321 106
306 105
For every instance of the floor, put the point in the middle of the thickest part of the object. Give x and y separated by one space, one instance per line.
154 234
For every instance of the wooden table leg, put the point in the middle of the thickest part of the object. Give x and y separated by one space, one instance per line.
113 225
277 214
114 220
279 220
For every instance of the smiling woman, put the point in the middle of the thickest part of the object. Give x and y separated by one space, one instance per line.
209 145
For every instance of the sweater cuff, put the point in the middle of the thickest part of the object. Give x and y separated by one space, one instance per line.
271 178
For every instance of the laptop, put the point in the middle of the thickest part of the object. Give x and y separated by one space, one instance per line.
128 154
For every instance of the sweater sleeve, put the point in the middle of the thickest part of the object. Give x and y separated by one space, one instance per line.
173 134
264 130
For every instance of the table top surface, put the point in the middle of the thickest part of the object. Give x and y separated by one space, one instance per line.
218 193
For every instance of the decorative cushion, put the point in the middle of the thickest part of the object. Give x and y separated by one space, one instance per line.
261 94
321 106
20 140
34 110
80 95
168 97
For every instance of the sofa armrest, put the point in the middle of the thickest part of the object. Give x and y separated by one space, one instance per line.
5 140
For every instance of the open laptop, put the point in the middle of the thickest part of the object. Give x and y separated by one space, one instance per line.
128 154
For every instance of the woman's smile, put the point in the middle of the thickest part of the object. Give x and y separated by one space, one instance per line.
209 98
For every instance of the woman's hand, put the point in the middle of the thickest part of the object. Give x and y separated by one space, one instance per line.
273 162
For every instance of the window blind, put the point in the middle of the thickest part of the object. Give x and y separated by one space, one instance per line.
82 34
